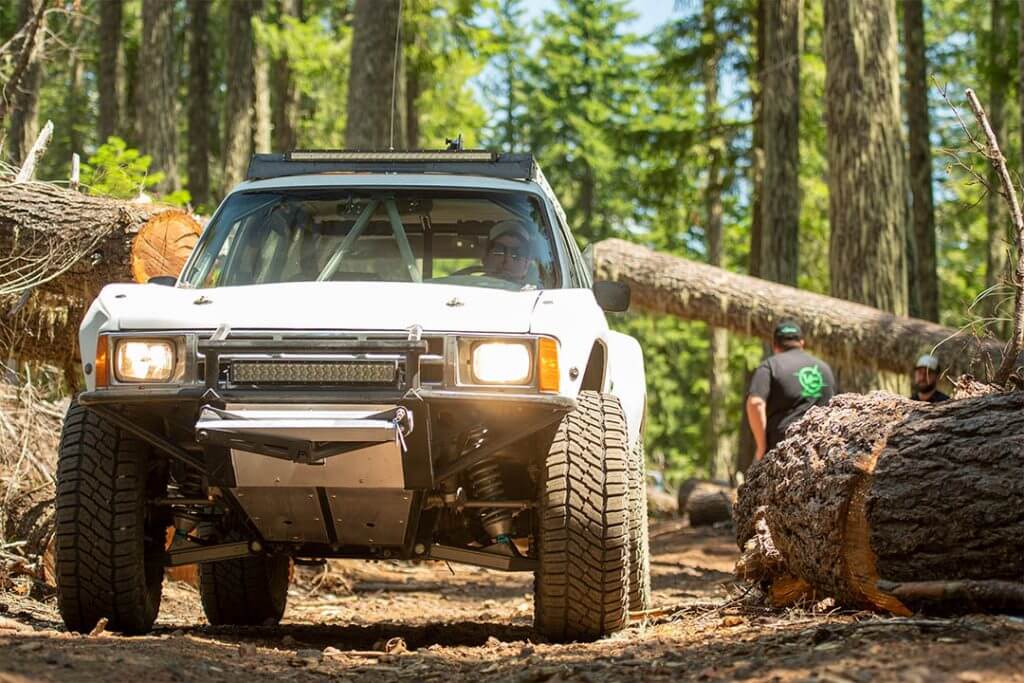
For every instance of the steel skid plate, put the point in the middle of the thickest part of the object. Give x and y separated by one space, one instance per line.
370 517
285 513
355 498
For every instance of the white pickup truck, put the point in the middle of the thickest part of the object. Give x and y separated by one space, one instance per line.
378 355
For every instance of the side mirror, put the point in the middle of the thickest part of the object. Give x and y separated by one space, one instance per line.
612 296
165 280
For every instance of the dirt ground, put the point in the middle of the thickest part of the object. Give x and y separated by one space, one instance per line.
462 623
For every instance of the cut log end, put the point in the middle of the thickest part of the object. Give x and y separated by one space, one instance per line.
163 244
888 504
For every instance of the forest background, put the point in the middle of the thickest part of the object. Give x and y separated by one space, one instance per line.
709 137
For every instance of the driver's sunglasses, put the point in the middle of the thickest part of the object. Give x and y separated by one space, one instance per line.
500 250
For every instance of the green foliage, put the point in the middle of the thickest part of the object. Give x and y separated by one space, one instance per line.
317 50
583 89
115 170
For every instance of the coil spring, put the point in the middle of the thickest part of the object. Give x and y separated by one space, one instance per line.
487 485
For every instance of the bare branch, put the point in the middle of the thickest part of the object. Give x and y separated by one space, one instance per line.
27 46
1009 193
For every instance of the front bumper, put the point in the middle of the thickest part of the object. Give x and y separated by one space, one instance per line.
198 395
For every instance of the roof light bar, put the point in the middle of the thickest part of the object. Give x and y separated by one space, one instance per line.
437 155
452 162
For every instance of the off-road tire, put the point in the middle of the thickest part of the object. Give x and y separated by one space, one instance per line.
582 584
108 553
639 535
249 591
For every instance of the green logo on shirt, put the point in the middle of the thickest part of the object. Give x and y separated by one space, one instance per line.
811 381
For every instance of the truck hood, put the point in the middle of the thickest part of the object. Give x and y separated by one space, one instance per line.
378 306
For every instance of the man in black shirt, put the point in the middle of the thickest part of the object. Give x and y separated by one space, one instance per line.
785 386
926 379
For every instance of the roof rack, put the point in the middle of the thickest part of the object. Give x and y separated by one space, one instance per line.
468 162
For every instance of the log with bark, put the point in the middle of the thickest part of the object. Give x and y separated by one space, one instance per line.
884 503
706 502
59 248
851 332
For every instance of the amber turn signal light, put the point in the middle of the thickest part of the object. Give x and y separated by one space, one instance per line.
547 364
102 361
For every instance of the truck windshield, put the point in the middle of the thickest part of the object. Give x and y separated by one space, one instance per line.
499 240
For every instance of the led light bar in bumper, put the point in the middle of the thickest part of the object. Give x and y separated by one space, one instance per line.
313 372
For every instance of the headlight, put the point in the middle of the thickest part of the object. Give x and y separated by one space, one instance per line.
501 363
144 360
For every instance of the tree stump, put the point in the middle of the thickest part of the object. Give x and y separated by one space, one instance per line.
885 503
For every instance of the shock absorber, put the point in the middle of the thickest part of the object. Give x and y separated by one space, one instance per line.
487 485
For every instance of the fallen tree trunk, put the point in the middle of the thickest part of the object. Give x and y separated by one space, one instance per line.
844 330
884 503
59 248
706 502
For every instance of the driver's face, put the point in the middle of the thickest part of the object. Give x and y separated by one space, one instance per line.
507 257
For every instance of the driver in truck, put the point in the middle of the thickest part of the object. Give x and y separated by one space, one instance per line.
509 250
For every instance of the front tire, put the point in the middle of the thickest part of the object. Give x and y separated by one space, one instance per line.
248 591
639 535
109 549
582 585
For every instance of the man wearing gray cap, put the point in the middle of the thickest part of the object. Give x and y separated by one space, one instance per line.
926 379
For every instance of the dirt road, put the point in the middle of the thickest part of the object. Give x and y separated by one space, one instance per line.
474 624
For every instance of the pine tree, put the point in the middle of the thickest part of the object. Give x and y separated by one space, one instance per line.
923 279
583 86
376 78
109 50
199 101
238 118
505 93
780 126
867 210
157 78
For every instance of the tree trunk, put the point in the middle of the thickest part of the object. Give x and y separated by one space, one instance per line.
746 446
924 276
76 98
107 82
865 158
780 115
238 109
199 102
373 123
997 270
851 333
157 90
719 453
286 97
757 148
61 247
261 99
25 96
412 111
884 496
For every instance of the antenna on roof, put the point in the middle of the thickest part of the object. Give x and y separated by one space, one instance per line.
453 145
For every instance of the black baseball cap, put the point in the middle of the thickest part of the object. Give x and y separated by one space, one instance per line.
787 329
